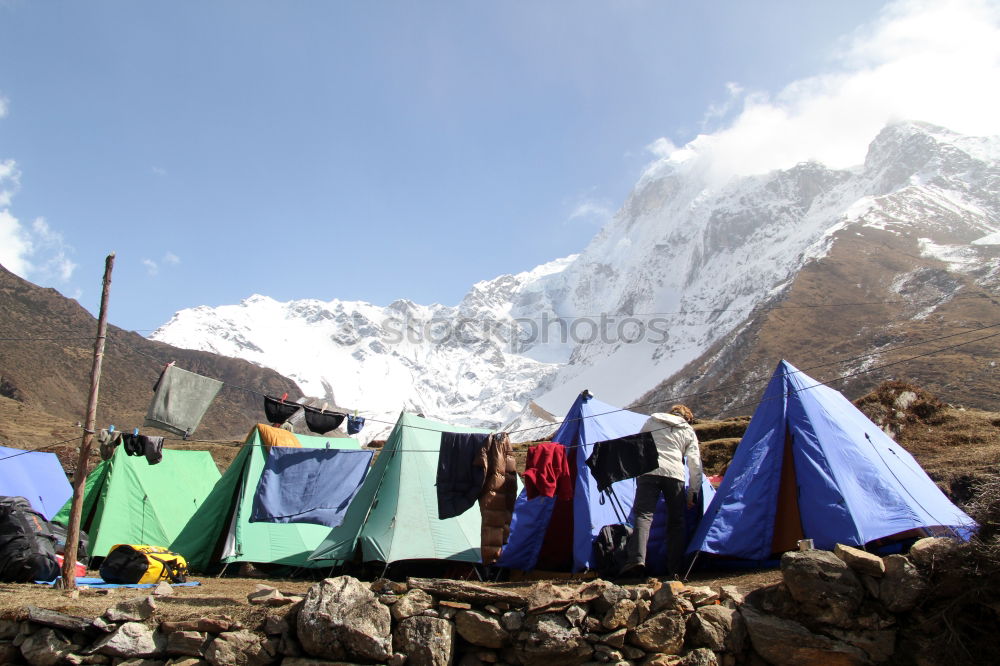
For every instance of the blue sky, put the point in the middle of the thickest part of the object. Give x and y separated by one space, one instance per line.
382 150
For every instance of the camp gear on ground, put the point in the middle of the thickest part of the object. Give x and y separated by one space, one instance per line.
140 563
811 465
459 481
278 411
320 421
610 550
36 476
27 546
180 400
546 471
622 458
82 546
221 531
127 500
309 485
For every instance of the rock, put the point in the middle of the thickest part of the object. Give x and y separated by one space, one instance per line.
902 586
662 633
387 599
163 589
426 641
632 653
430 612
187 661
619 614
606 653
870 584
699 657
492 610
925 552
216 625
412 603
550 640
662 660
825 588
275 625
786 643
615 639
701 596
132 639
878 645
238 648
131 610
512 620
9 629
666 597
608 597
386 586
103 626
487 656
455 605
397 659
56 620
480 629
576 614
730 596
264 595
341 619
709 627
737 641
45 647
9 653
862 562
187 643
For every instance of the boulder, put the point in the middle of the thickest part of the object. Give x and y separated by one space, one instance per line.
787 643
163 589
45 647
667 596
615 639
925 552
730 596
902 586
341 619
699 657
480 629
238 648
9 653
137 609
412 603
619 614
187 643
550 640
130 640
512 620
662 633
700 595
426 641
709 627
879 645
576 615
859 560
825 588
608 597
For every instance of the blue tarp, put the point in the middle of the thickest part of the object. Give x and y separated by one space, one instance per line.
36 476
309 485
855 484
99 583
589 421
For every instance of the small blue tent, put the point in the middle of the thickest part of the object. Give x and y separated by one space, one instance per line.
811 465
35 476
542 525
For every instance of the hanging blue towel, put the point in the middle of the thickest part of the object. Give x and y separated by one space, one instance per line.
308 485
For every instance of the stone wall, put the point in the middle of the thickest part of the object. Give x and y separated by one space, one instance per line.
831 608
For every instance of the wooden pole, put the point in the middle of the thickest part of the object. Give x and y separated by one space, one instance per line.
80 475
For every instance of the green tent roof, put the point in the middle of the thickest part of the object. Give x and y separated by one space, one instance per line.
127 500
225 516
394 514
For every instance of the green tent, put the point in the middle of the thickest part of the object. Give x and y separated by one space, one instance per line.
221 530
127 500
394 514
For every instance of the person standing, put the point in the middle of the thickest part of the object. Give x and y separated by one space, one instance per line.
676 445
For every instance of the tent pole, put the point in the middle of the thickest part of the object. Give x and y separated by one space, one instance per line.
224 567
691 566
80 474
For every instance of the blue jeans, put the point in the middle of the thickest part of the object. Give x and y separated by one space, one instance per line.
647 493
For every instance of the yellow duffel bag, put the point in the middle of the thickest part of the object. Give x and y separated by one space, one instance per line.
132 563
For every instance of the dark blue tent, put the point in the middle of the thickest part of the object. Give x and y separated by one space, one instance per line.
811 465
543 525
35 476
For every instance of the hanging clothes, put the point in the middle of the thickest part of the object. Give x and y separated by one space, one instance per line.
355 424
459 481
279 411
132 444
623 458
309 485
152 448
180 400
271 436
320 421
546 471
496 502
108 441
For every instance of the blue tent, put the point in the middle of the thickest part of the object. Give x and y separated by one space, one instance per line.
542 524
811 465
36 476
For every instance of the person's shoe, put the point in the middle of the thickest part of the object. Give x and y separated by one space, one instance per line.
630 571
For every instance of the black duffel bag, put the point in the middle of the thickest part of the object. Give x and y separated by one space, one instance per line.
27 545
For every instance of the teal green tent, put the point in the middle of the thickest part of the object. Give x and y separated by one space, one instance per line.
394 515
127 500
221 530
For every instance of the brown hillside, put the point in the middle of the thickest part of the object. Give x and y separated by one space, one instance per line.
46 353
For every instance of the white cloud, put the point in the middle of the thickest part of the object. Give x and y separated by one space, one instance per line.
933 61
171 258
159 171
4 105
15 245
592 210
34 252
151 266
10 181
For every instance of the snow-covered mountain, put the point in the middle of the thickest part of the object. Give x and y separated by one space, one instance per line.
679 269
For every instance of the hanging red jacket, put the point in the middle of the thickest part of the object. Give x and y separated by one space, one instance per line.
547 472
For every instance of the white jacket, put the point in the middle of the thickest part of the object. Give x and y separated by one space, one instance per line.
675 441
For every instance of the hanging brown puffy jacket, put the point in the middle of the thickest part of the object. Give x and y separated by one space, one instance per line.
496 502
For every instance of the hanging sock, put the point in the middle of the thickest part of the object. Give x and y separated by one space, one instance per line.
355 424
132 444
321 422
279 411
180 400
108 441
152 448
